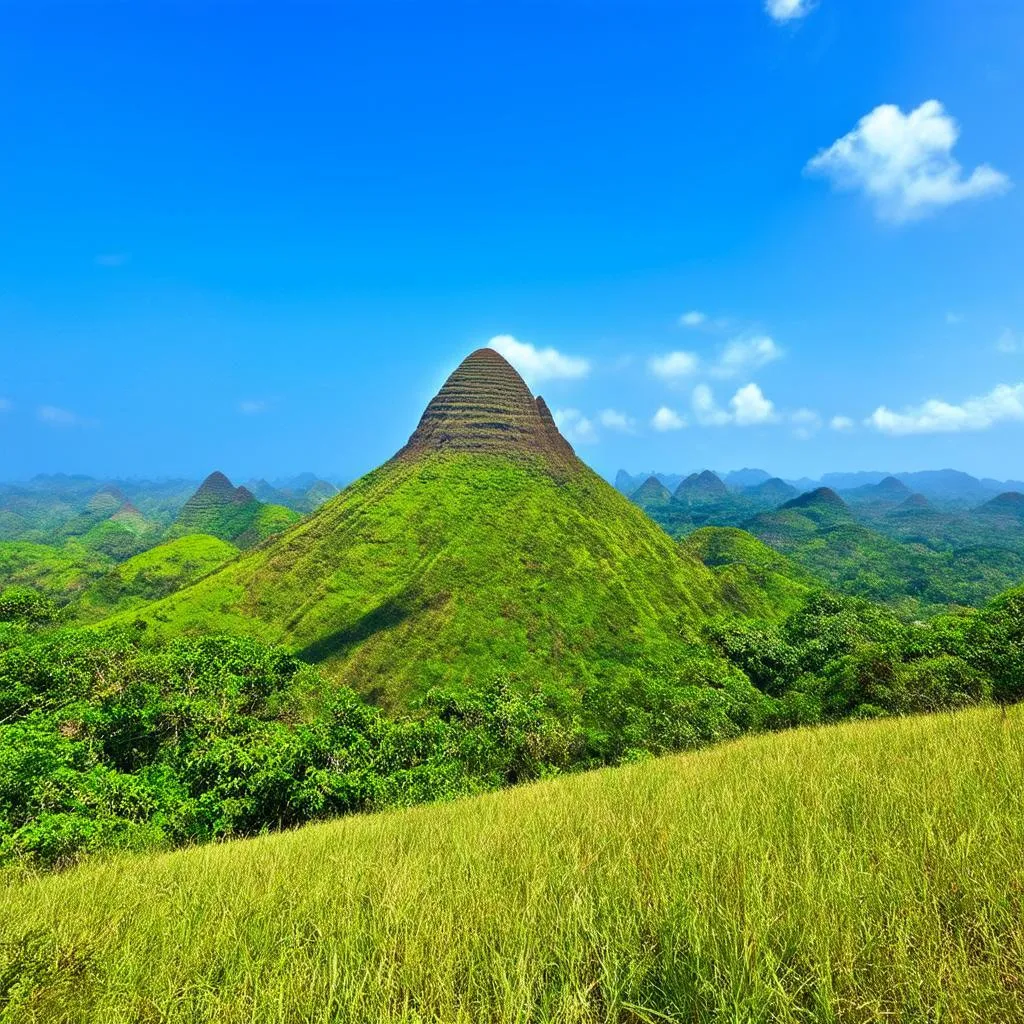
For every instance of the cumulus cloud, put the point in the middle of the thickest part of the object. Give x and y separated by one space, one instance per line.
576 427
537 364
905 163
806 423
744 355
750 407
1003 403
667 419
57 417
674 365
693 319
841 423
788 10
615 420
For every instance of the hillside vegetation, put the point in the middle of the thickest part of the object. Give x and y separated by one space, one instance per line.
857 873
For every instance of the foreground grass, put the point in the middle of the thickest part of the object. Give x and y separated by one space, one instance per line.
865 872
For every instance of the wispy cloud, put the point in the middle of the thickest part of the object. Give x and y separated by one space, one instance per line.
113 259
694 318
675 365
841 423
904 163
806 423
744 355
612 419
954 318
576 427
253 407
537 364
1003 403
57 417
788 10
1009 343
666 419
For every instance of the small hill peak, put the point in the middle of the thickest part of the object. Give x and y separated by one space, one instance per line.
820 498
216 483
704 486
1009 502
915 501
651 492
485 407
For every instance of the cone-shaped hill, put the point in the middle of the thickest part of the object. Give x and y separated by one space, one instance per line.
219 509
485 549
651 493
701 489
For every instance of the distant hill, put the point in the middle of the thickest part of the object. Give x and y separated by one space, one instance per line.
772 490
887 491
652 492
701 488
219 509
484 549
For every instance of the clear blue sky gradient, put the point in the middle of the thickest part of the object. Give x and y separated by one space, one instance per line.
313 211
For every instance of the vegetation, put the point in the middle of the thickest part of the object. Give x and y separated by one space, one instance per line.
866 872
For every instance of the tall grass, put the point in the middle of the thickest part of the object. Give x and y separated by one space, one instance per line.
873 871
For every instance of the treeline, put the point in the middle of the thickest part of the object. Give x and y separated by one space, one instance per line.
113 741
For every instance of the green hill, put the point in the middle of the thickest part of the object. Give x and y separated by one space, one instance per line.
755 579
58 572
483 549
154 574
860 873
219 509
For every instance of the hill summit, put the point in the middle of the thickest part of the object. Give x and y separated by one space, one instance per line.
486 407
483 550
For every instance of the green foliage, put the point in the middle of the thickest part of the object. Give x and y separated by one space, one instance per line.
59 572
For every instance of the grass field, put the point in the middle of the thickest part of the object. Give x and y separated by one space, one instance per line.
873 871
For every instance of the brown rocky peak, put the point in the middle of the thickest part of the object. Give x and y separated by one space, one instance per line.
485 407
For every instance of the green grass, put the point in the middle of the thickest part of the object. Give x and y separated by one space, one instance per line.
58 572
873 871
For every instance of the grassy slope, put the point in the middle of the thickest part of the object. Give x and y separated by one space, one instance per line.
458 569
755 579
154 574
57 571
868 871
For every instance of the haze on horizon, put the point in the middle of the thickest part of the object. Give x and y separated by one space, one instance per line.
782 235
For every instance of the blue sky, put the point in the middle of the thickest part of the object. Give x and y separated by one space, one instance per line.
257 236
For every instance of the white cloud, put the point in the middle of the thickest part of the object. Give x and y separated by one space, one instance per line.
1002 403
674 365
1008 343
744 355
252 407
905 162
59 417
537 364
707 413
750 407
806 423
841 423
954 318
693 319
615 420
575 426
788 10
667 419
